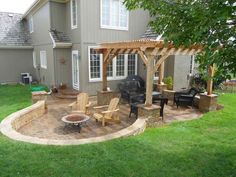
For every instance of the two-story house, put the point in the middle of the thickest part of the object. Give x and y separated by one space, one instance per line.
62 32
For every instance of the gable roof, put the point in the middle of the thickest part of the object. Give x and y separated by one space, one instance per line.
13 30
149 34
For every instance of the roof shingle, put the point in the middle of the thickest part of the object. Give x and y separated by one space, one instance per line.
59 36
13 30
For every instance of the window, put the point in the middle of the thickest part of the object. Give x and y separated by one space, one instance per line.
114 15
110 69
118 68
132 66
95 64
73 14
191 65
31 24
43 59
34 60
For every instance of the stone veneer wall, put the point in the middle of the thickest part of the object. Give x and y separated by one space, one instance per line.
26 115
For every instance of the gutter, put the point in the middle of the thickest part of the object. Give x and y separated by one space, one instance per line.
16 47
62 45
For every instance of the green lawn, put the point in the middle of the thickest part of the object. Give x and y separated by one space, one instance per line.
204 147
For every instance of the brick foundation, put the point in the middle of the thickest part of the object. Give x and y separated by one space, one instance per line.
208 102
151 114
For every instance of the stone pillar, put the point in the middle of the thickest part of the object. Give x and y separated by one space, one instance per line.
169 94
161 87
104 97
208 102
150 113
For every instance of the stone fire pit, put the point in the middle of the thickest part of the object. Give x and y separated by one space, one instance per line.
75 119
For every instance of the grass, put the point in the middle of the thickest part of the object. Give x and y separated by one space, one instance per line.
204 147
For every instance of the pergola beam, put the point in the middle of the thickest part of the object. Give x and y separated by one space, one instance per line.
148 50
163 58
143 57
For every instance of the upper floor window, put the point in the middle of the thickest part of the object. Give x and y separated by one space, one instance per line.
73 14
43 59
114 15
31 24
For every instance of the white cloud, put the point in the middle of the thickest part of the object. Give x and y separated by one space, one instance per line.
17 6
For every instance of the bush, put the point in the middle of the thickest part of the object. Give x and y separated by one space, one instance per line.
169 82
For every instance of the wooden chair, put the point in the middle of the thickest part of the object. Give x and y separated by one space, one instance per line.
108 115
81 105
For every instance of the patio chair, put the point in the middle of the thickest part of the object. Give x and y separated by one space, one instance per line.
81 105
108 115
185 98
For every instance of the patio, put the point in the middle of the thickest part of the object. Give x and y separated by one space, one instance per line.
50 126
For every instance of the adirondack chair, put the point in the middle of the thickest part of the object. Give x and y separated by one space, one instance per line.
108 115
81 105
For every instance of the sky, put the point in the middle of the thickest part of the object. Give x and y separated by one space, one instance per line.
17 6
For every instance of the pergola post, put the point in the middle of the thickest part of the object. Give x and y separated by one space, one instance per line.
210 80
161 73
208 102
104 76
149 81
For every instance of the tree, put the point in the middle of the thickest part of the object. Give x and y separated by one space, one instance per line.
211 23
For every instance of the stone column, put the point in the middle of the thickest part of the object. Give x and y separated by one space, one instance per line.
208 102
151 114
104 97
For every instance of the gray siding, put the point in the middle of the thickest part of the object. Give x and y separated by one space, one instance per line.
13 62
63 71
92 34
181 72
169 66
45 76
74 34
58 16
41 20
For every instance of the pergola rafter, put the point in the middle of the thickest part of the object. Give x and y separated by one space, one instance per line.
148 50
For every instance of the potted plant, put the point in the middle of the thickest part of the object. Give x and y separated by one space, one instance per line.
169 82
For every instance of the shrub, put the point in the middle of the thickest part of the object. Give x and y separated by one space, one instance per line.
169 82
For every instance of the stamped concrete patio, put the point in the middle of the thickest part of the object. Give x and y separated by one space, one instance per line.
50 126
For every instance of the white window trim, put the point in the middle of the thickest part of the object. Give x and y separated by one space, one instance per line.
71 14
113 27
41 53
34 60
94 79
114 77
76 52
31 23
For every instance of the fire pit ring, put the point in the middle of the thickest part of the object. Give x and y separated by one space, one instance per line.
75 119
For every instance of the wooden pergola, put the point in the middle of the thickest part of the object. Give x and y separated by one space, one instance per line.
148 51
